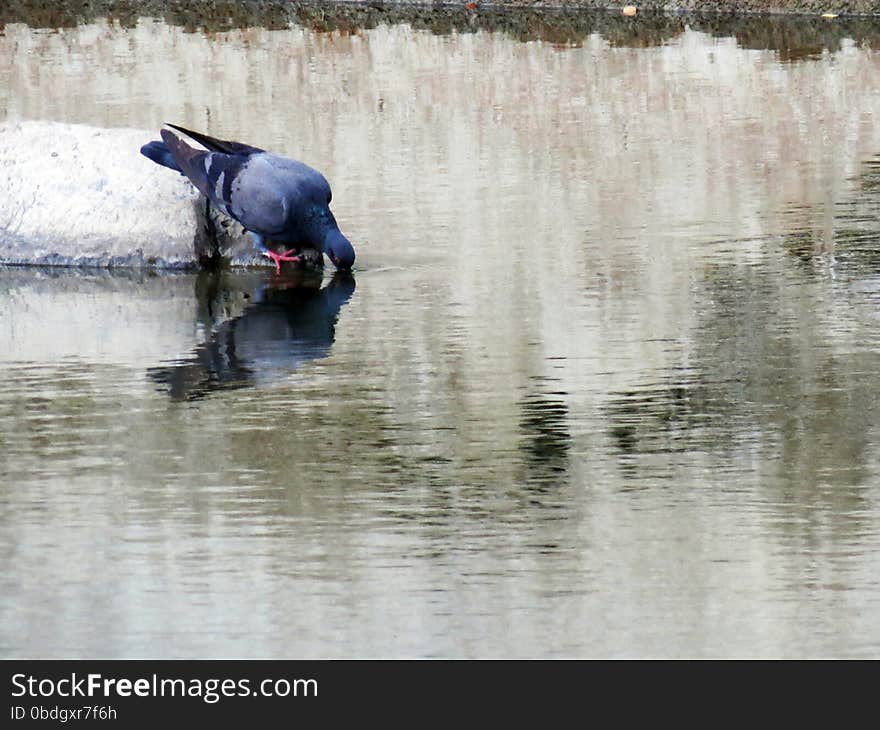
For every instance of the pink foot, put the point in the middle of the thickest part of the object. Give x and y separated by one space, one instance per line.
279 257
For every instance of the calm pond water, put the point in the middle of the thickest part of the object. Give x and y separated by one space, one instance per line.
605 381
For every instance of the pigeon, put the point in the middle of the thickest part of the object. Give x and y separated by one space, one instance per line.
276 199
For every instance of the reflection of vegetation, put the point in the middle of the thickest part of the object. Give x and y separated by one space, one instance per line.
869 179
792 37
546 440
849 228
658 419
782 376
857 225
774 382
776 376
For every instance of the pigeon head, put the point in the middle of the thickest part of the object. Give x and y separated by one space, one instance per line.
339 249
324 232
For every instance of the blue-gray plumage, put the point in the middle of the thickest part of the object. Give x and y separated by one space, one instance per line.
276 199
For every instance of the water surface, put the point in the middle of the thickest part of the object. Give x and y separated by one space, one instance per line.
604 383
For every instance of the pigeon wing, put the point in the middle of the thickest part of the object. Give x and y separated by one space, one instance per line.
258 197
218 145
245 187
195 164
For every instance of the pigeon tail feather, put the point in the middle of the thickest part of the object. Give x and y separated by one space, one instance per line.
159 153
188 160
217 145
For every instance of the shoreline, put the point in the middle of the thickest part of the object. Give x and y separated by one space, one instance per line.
777 26
350 14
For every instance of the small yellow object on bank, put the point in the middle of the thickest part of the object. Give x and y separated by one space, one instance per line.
829 15
629 10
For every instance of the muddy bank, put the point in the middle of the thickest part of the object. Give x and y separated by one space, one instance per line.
795 29
558 20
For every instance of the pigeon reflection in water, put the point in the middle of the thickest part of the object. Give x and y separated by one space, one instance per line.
286 323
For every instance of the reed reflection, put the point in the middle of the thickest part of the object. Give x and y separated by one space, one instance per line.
258 334
545 438
844 232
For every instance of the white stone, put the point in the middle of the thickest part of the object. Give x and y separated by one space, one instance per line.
76 195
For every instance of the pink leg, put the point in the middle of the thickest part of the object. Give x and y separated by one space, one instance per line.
279 257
